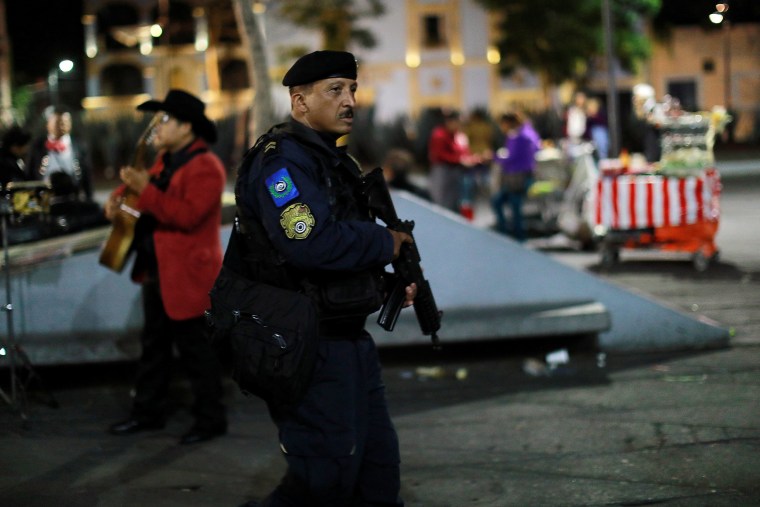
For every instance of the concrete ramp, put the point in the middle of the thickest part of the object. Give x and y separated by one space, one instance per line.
69 309
491 287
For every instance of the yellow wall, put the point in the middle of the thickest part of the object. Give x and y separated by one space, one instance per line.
691 47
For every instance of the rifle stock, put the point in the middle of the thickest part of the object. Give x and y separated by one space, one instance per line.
406 267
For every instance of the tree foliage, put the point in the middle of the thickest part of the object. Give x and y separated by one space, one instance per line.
337 20
560 39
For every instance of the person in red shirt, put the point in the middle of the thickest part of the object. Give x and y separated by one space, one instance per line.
179 254
449 156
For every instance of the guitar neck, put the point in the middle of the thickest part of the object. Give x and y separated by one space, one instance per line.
139 158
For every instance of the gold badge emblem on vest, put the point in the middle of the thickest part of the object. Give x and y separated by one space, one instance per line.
297 221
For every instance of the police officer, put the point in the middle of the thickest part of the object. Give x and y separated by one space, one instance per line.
299 188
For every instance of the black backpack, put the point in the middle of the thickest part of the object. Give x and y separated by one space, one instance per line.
269 333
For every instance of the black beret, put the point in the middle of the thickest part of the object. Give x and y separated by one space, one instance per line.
321 65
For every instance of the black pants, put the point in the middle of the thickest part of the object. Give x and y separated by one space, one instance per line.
339 441
197 357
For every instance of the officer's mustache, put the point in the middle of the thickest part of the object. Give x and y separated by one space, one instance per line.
349 113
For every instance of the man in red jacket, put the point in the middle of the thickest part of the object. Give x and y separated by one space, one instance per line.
179 255
449 156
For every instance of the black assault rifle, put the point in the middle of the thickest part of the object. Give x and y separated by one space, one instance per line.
406 266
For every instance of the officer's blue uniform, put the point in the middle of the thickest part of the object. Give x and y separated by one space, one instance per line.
339 442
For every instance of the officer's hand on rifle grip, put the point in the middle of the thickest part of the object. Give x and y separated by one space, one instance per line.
398 239
411 293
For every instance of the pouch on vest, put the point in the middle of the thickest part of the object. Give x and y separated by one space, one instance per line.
271 333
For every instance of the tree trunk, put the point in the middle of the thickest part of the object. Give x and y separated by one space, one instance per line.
258 68
5 70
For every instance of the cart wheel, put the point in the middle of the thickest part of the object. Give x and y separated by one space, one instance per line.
715 257
610 256
701 262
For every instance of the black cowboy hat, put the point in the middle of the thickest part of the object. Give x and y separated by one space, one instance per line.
185 107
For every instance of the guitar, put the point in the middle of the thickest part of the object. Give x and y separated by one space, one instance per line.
117 247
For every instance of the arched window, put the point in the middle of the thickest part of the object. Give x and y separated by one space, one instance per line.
223 23
180 24
121 79
234 75
116 24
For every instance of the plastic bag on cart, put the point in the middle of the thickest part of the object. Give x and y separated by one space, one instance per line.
573 217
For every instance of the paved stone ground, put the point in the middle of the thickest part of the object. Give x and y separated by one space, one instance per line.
677 429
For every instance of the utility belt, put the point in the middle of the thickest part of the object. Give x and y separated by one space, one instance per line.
346 297
345 302
341 329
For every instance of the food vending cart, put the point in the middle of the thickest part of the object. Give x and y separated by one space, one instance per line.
671 206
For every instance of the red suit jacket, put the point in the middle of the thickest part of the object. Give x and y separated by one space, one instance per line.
187 235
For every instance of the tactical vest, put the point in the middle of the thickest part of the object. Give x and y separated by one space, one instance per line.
336 294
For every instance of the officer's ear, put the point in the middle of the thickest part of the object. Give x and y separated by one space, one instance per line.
298 95
298 102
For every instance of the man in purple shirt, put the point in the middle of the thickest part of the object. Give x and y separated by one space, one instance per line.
522 143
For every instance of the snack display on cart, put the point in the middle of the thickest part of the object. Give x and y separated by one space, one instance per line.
687 141
671 206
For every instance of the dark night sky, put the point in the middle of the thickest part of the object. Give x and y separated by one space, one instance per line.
42 33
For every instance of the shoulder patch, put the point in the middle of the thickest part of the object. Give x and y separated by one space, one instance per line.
281 187
297 221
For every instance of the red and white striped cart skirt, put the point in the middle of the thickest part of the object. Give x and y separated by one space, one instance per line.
668 213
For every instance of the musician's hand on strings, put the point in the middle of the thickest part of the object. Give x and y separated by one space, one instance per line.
135 179
111 206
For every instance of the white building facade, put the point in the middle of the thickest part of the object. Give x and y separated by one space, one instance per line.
430 53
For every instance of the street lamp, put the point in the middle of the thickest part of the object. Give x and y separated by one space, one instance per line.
721 16
64 66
